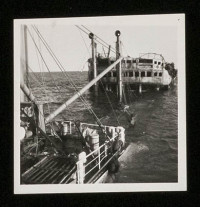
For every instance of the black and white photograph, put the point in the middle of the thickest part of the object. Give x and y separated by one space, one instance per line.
99 104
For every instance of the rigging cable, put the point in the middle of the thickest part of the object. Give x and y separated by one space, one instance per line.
47 69
42 78
43 59
84 42
114 51
44 62
87 50
58 62
100 79
124 48
72 83
36 78
95 35
67 76
44 85
100 39
110 102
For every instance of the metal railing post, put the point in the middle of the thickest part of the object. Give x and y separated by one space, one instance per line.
121 132
81 168
105 149
99 160
70 127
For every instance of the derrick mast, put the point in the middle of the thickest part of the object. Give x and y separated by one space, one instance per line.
94 54
118 67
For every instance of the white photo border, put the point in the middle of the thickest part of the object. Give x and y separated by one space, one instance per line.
177 20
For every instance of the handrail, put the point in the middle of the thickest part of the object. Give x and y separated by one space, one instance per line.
80 164
98 163
97 156
107 126
91 153
104 165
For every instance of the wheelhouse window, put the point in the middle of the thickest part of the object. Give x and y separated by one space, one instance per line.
142 60
136 74
155 62
160 74
125 74
148 74
143 74
155 74
159 63
128 63
131 74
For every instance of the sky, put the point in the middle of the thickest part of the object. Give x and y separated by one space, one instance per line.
72 47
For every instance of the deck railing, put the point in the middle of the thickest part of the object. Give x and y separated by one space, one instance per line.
98 158
95 163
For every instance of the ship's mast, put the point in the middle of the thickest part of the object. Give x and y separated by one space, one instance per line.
23 61
25 93
118 67
94 67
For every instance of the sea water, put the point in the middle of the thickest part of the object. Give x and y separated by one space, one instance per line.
154 157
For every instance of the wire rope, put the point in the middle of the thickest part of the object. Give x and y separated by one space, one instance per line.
100 39
66 75
110 102
114 51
